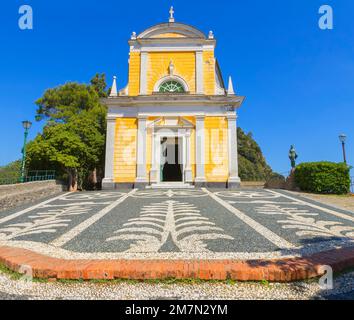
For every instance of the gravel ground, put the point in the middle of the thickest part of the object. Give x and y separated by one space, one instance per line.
344 202
21 290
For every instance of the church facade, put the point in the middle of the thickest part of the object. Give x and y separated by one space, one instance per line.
174 124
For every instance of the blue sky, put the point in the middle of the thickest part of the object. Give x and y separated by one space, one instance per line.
298 79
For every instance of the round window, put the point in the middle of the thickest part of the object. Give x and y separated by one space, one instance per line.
171 86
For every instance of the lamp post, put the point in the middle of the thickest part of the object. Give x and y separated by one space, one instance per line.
26 125
342 139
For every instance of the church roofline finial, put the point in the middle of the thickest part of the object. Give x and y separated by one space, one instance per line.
230 90
114 91
172 18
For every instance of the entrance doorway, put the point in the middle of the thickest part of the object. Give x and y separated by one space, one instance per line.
171 164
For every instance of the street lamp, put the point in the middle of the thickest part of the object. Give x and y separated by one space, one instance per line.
26 125
342 139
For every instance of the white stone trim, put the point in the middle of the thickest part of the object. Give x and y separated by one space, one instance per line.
199 72
233 153
159 132
154 162
188 167
170 133
172 78
143 73
181 28
200 148
169 47
141 151
109 161
185 123
168 111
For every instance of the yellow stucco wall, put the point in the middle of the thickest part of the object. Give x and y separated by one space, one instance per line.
216 149
185 67
134 74
158 63
209 72
125 150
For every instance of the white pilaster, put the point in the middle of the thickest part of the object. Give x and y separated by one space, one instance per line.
108 181
200 149
234 179
141 151
143 72
199 72
188 167
154 158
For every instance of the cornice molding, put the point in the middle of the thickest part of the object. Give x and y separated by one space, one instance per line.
181 28
174 99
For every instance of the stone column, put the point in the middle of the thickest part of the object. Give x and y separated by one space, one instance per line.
200 151
108 181
188 167
154 159
141 178
234 180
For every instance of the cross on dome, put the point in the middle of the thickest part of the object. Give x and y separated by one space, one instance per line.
172 18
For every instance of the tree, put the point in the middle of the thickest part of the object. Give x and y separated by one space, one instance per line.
73 138
11 172
98 82
252 164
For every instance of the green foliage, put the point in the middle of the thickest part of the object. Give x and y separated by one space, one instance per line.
323 177
73 138
11 172
252 164
98 82
63 102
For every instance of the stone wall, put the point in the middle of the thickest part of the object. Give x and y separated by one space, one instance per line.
23 193
287 184
252 184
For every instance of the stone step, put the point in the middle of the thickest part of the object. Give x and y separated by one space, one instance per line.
170 185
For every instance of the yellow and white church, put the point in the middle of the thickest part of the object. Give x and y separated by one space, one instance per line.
174 124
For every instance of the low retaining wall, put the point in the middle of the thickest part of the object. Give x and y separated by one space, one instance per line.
17 194
252 184
279 270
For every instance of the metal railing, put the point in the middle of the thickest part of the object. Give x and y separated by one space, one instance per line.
40 175
352 184
31 176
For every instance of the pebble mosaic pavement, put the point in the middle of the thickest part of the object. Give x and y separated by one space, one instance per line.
177 224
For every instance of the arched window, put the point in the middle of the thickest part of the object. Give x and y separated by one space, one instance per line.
171 86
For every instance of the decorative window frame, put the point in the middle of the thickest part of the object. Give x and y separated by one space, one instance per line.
171 78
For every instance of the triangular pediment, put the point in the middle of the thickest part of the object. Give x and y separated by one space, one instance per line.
172 122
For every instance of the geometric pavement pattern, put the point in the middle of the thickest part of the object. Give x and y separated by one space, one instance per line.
192 223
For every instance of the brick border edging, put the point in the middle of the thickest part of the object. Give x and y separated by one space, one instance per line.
280 270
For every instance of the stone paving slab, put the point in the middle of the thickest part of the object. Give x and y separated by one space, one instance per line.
177 226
